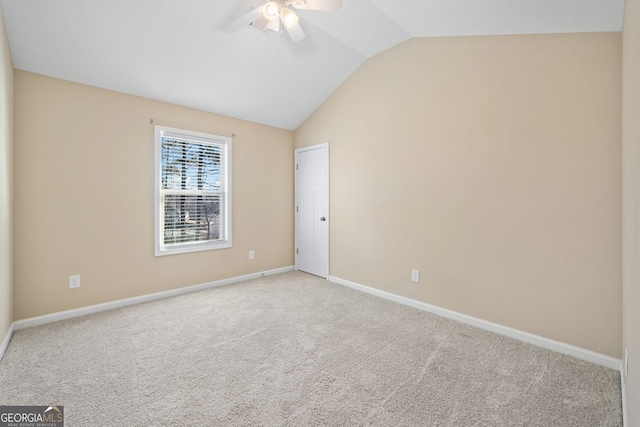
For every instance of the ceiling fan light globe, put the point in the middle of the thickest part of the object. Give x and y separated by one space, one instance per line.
270 10
289 19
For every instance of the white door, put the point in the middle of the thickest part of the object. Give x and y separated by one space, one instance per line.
312 209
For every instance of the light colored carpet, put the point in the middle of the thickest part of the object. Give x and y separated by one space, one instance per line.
296 350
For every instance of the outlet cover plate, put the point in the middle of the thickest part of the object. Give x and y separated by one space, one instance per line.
415 275
74 281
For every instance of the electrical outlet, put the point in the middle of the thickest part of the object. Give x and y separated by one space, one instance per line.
415 275
252 254
74 281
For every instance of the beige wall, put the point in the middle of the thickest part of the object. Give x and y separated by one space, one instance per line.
492 165
631 202
6 182
84 197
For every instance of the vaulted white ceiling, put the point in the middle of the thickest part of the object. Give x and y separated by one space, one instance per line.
187 52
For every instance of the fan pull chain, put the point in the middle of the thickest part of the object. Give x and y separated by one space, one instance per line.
279 32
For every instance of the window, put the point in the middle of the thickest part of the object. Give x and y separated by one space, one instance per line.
193 191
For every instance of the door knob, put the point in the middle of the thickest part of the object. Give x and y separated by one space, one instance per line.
323 219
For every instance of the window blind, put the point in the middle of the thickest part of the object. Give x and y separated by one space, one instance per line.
193 190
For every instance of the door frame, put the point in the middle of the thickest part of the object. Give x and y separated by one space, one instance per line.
295 201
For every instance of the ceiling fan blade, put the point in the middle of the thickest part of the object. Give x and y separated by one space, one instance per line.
316 4
248 18
295 32
274 24
261 24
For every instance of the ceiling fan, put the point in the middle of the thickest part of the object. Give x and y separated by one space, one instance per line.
276 14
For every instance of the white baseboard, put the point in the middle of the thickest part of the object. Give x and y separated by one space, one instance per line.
5 341
623 391
560 347
68 314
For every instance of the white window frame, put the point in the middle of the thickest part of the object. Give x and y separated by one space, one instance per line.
160 249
